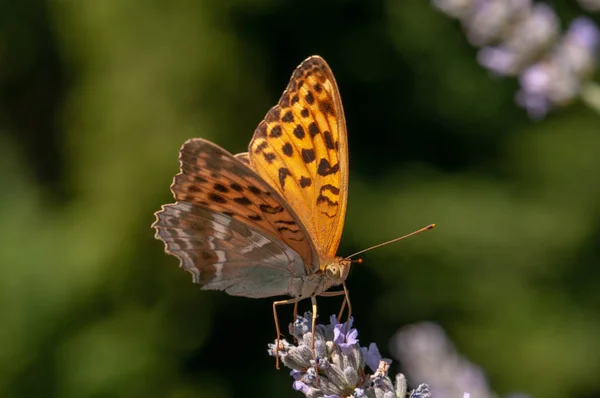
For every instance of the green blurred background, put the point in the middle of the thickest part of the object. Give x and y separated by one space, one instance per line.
96 98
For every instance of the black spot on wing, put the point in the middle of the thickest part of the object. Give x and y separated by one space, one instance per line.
288 117
325 168
236 187
276 132
242 201
217 198
254 190
328 138
299 131
269 157
285 222
325 199
305 182
326 108
281 229
330 188
220 187
287 149
265 208
308 155
313 129
310 99
283 173
261 146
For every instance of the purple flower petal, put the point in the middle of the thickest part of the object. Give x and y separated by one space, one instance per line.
537 79
333 320
498 60
344 336
584 32
300 386
578 52
296 374
372 356
341 329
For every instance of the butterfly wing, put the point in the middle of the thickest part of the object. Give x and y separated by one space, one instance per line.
301 150
223 253
215 182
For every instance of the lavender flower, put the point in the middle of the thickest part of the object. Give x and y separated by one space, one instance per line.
530 35
521 38
421 392
425 351
341 363
557 79
345 340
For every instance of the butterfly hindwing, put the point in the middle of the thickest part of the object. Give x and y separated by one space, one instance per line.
223 253
301 150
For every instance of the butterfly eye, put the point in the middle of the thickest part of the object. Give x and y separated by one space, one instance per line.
333 271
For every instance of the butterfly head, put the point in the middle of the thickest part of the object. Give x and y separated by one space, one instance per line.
336 270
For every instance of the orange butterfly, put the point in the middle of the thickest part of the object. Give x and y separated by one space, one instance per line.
268 222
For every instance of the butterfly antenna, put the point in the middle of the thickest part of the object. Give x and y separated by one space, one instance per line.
427 228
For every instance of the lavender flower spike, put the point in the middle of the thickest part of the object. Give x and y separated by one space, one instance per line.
522 38
341 364
425 351
562 75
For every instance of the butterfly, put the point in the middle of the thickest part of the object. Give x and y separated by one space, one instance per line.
267 222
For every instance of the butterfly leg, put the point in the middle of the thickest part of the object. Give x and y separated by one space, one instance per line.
295 316
346 300
339 317
313 300
275 304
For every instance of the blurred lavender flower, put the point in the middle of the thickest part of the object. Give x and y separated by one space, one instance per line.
524 40
341 364
521 38
558 78
425 351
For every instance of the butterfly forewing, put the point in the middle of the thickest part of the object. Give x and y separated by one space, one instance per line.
301 150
